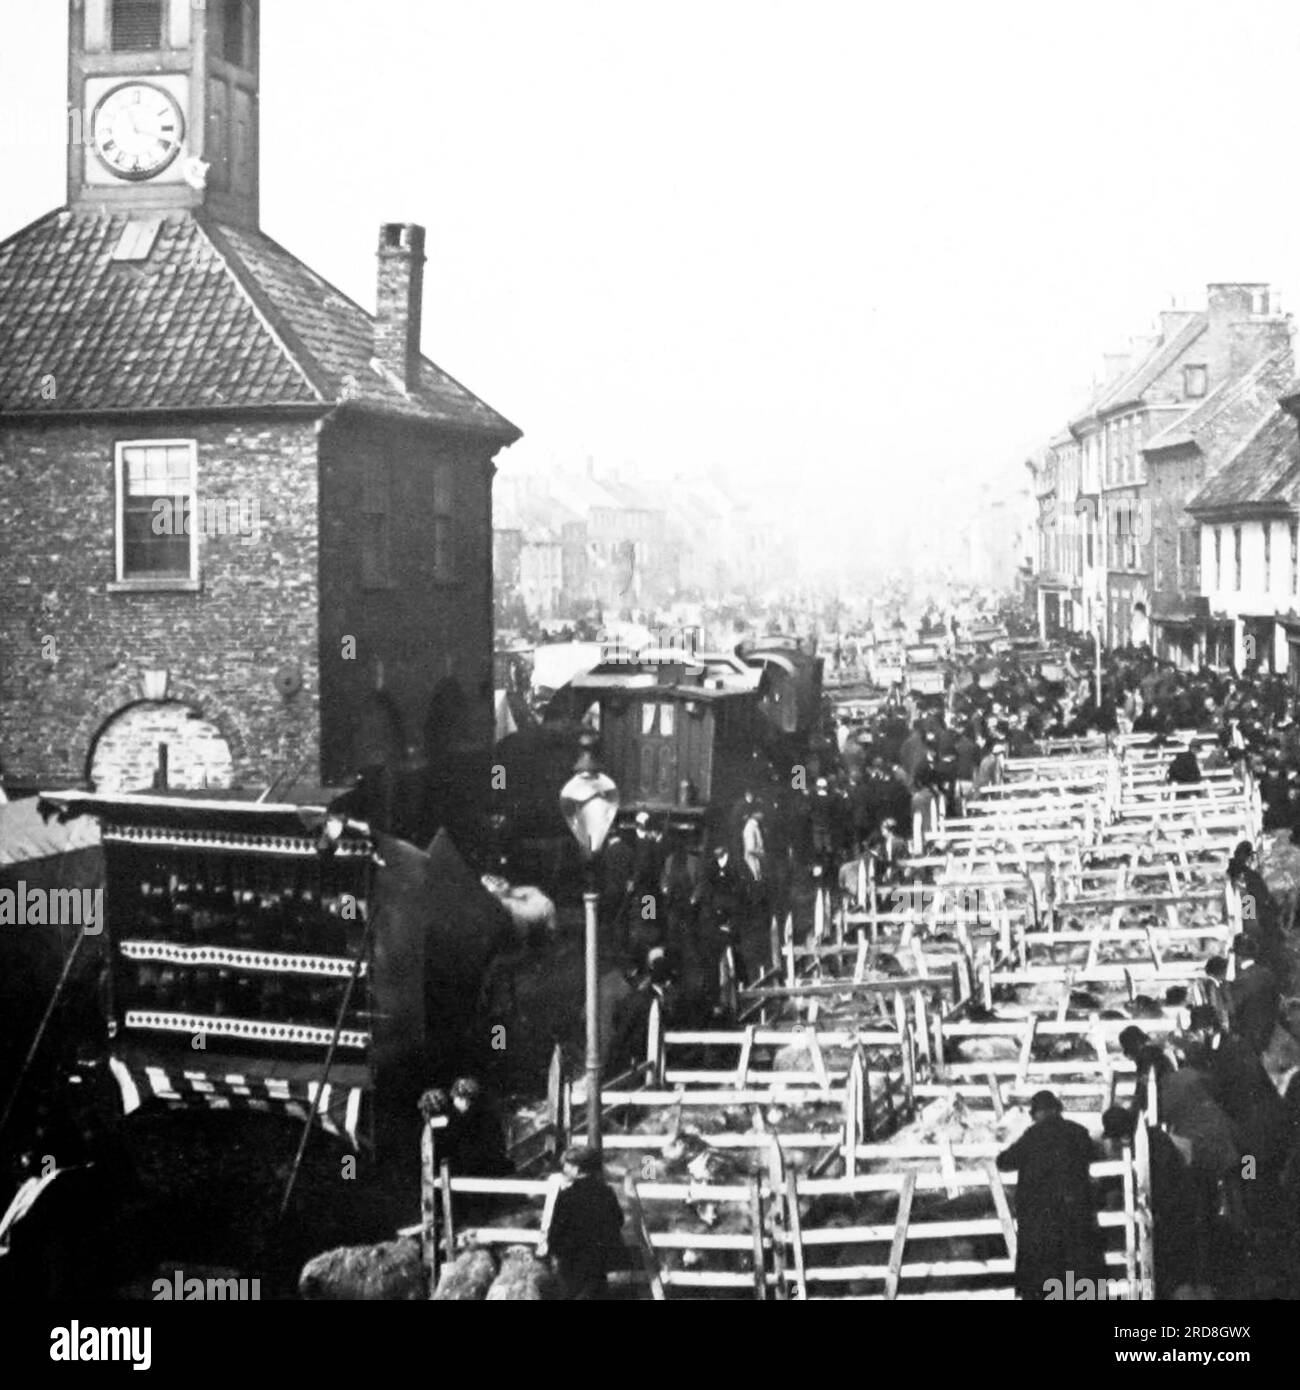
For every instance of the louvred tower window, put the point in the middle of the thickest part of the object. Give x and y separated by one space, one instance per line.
137 25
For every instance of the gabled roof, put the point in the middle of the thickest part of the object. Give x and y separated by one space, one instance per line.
1134 384
212 317
1261 381
1263 473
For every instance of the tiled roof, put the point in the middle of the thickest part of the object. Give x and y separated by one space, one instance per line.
213 316
1264 472
1134 384
1261 382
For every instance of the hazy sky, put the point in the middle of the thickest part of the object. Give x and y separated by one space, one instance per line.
866 246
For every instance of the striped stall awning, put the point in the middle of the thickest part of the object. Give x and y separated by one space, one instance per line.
338 1107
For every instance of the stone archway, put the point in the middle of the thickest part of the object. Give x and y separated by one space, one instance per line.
124 754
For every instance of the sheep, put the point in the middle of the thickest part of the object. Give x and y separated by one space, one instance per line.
468 1278
1064 1048
793 1057
987 1049
391 1271
523 1279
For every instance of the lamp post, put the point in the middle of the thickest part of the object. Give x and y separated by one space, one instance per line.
589 803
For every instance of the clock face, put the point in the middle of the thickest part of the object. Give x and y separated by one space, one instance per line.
137 130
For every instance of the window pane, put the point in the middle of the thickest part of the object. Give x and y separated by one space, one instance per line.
667 718
647 718
157 558
157 472
154 540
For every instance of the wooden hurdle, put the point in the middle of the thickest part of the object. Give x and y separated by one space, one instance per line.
950 1169
772 1250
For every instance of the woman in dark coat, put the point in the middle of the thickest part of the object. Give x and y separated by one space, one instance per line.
1056 1223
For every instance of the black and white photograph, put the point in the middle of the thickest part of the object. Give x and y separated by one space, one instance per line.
650 653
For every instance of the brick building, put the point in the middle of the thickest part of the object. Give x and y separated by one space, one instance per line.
247 520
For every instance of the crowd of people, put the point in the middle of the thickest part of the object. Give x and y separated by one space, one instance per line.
685 931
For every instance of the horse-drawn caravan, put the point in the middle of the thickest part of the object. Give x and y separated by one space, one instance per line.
682 738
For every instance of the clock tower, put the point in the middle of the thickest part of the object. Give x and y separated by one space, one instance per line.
163 98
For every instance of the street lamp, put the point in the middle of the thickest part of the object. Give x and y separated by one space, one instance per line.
589 803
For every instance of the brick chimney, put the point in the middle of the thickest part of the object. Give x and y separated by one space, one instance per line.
399 302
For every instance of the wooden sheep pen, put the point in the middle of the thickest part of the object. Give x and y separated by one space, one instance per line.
847 1129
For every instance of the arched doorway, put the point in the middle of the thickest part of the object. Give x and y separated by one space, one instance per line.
127 754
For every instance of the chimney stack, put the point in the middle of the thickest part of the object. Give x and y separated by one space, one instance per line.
399 301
